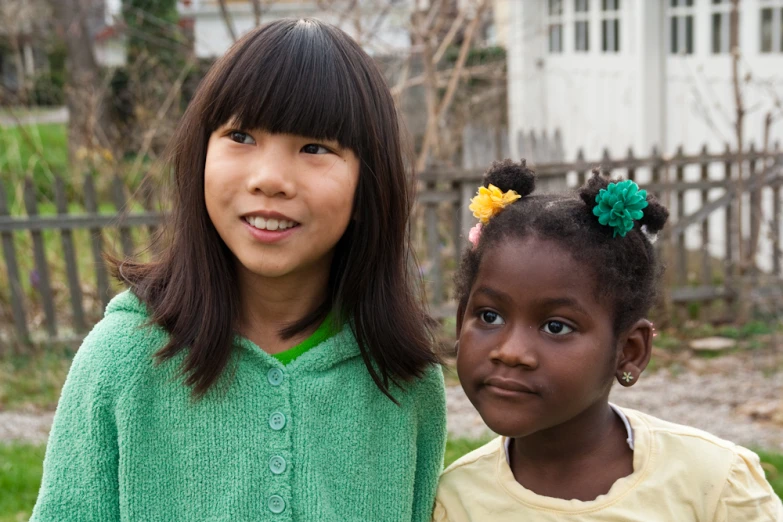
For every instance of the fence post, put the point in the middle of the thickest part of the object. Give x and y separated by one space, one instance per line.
120 202
706 262
755 207
456 212
433 246
41 266
582 171
606 170
466 216
14 281
71 268
681 255
777 194
631 169
729 275
148 202
102 280
662 246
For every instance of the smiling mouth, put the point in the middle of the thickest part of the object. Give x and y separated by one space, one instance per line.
509 386
270 224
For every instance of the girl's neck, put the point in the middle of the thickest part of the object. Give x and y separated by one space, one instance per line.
268 305
579 459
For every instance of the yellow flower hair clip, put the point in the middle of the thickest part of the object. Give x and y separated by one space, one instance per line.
491 200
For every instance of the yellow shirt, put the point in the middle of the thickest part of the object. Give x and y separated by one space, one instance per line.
681 474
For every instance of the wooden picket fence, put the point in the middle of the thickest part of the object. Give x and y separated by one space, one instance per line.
40 284
700 246
709 177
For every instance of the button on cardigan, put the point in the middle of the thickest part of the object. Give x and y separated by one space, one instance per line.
314 440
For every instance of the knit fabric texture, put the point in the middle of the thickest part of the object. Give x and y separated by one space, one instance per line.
311 441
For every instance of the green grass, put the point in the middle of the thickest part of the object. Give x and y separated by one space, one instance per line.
33 382
21 466
773 466
455 448
20 477
40 150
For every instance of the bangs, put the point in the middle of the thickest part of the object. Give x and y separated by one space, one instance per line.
255 88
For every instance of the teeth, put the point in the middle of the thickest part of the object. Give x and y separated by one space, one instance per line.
270 224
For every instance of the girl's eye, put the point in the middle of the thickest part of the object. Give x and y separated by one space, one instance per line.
557 328
241 137
314 148
491 317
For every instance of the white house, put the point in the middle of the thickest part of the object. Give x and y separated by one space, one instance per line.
620 74
641 73
381 31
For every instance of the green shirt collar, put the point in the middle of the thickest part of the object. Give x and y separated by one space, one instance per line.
322 333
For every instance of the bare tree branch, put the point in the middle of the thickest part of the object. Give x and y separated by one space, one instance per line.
434 115
455 27
161 114
227 19
256 11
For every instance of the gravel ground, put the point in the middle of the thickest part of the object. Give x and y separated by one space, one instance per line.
25 427
737 399
734 399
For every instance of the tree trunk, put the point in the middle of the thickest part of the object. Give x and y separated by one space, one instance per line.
742 264
88 124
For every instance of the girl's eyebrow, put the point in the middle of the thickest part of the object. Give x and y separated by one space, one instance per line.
494 294
555 302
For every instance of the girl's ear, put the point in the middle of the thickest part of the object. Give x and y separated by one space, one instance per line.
635 349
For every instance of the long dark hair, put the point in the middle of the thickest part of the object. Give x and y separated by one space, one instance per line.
307 78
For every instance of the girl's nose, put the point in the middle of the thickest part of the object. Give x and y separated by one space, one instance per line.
516 350
271 173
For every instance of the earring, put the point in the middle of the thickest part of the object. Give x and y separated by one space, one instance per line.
627 377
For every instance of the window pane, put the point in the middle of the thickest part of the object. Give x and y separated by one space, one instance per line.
555 7
766 30
689 34
717 33
582 6
611 5
674 49
555 38
780 20
582 36
604 35
587 37
689 3
617 35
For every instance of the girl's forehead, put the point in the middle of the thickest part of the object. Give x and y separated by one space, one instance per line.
531 269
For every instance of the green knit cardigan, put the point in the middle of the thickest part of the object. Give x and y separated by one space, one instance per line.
311 441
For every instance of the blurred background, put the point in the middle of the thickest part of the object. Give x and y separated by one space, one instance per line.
684 96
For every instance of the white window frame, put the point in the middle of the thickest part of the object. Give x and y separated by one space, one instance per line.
720 10
776 33
555 26
611 29
680 13
582 26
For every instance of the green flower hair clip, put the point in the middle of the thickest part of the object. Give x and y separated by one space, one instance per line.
619 205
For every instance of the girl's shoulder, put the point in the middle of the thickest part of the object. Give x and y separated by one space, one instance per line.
118 346
732 473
